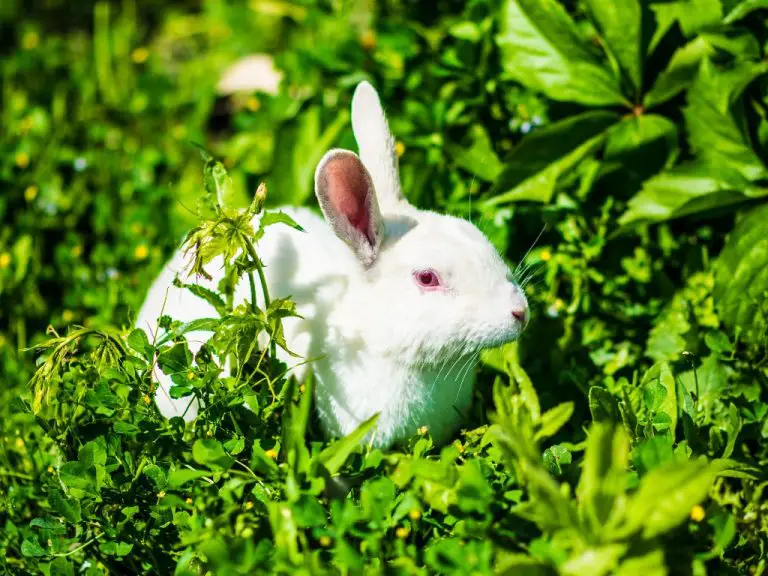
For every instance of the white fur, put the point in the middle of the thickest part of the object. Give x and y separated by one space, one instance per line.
387 345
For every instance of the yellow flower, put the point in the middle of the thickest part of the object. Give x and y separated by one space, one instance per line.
188 501
248 505
545 255
141 252
272 453
209 433
253 104
697 513
302 388
146 399
22 160
368 40
50 469
459 446
325 541
399 148
67 316
19 443
414 515
5 260
30 40
402 532
140 55
161 494
30 193
423 430
190 375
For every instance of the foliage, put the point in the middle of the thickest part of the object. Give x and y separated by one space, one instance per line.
625 433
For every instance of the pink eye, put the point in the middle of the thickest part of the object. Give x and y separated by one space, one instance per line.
427 278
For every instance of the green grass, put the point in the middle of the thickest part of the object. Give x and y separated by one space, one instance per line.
626 432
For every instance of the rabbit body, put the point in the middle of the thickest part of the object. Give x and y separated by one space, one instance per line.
396 302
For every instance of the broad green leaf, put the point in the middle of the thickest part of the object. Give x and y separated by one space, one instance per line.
666 495
743 9
31 547
62 567
693 15
679 73
620 23
741 277
177 478
687 189
541 48
713 131
602 405
594 561
477 156
642 135
520 565
659 383
335 455
532 170
555 457
602 479
139 342
649 564
210 452
66 507
156 475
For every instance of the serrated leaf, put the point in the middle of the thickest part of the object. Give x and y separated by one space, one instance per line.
679 73
156 475
31 548
555 457
139 342
741 277
743 9
542 49
271 218
552 420
532 170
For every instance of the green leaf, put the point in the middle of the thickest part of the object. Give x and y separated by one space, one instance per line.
594 561
31 547
269 218
659 390
688 189
692 15
554 419
554 458
603 473
477 156
602 405
156 475
210 452
713 132
175 359
66 507
177 478
335 455
62 567
127 428
139 342
679 73
743 9
741 278
620 23
532 170
542 49
666 495
651 563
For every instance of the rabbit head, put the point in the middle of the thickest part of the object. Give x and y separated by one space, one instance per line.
428 286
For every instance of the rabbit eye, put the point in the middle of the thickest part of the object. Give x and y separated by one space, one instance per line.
427 278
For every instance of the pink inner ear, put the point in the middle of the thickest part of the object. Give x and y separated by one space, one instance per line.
348 191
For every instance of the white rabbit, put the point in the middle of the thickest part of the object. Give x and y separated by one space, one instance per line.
396 301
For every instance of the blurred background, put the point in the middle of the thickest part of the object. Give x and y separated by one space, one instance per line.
639 140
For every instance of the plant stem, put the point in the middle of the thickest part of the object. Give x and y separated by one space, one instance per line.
264 289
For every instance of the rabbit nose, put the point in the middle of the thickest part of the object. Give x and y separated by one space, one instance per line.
521 314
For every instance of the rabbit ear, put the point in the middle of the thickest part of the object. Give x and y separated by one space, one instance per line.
376 145
347 198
